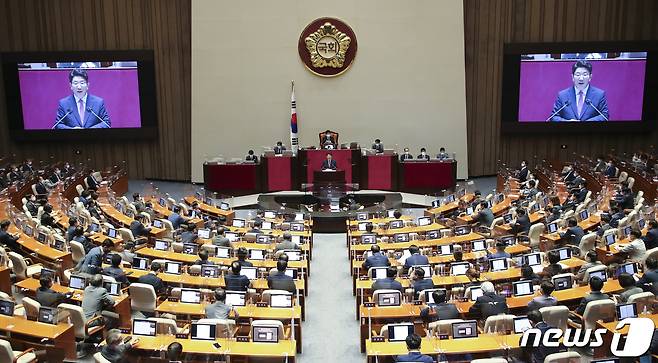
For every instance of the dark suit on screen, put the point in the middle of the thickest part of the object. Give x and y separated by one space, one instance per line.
595 95
72 120
329 164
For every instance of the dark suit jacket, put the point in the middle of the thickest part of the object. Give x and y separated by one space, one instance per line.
96 104
376 260
573 235
522 224
651 238
329 165
595 95
523 174
421 285
414 357
404 157
154 281
41 189
387 283
414 260
610 171
280 281
592 296
421 157
236 282
378 147
49 297
443 311
279 149
8 240
489 304
138 229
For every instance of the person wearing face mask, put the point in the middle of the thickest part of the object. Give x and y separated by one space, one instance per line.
81 110
582 101
522 174
407 155
423 155
377 146
600 165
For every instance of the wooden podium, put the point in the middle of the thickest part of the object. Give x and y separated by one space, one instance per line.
329 177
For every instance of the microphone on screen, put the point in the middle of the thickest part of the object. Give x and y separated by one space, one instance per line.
59 121
589 102
98 117
566 103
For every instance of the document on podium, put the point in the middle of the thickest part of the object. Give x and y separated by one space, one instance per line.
329 170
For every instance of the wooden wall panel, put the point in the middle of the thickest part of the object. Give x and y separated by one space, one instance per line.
161 25
491 23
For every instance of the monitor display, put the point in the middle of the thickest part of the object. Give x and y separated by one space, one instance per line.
469 210
48 272
161 245
265 334
552 227
562 282
389 299
565 253
426 268
429 295
297 239
210 271
584 214
190 248
77 282
533 259
457 269
7 307
41 237
610 239
498 264
627 231
478 245
224 206
401 237
297 227
396 224
203 331
378 272
433 234
292 272
507 218
232 236
157 223
190 296
436 203
255 254
299 217
641 223
629 268
250 272
424 221
269 214
476 292
72 95
140 263
203 233
113 288
281 301
293 255
48 315
263 238
234 298
523 288
368 239
466 329
445 250
399 332
449 199
144 327
362 216
363 226
521 324
600 274
112 233
29 231
239 223
173 267
626 311
462 230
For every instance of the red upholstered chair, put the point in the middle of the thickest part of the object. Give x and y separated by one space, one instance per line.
334 138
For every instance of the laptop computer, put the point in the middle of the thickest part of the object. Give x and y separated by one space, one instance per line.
157 223
521 324
378 272
224 206
466 329
236 298
144 327
239 223
222 252
399 332
389 299
445 250
523 288
363 216
77 282
280 301
190 296
265 334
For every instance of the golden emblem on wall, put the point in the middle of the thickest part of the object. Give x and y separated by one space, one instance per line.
327 46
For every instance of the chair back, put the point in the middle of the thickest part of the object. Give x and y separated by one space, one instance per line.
643 300
598 310
6 352
142 297
623 176
500 323
77 319
31 307
587 244
98 358
19 265
77 251
564 357
79 188
534 234
556 316
650 253
443 327
126 235
593 269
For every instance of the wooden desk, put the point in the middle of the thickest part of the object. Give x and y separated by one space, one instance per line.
61 337
246 313
209 209
121 303
165 213
124 221
405 229
5 279
322 177
282 351
484 343
449 207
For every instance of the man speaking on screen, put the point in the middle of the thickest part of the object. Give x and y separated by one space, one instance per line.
81 110
582 102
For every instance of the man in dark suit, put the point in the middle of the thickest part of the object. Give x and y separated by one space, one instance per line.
595 285
538 354
610 170
234 280
617 215
138 229
568 175
242 257
377 259
389 282
484 216
81 110
440 307
489 303
251 157
415 259
175 218
413 345
114 270
279 148
573 234
407 155
522 224
522 174
378 146
27 167
600 165
651 238
152 279
279 280
419 282
7 239
650 276
40 186
582 102
329 163
46 296
423 155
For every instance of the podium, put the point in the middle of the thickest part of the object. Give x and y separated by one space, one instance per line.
329 177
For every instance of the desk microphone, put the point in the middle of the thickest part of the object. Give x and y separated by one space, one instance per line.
98 117
589 102
68 111
566 103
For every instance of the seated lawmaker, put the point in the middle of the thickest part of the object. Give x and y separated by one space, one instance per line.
153 279
484 216
7 239
114 270
279 148
419 282
413 345
634 251
442 155
522 223
651 238
138 229
279 280
329 163
328 141
251 157
489 303
573 234
595 285
423 155
443 310
175 218
234 280
406 155
389 282
545 299
376 259
220 309
415 259
46 296
377 146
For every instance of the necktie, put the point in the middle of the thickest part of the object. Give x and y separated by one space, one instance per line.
81 111
581 101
